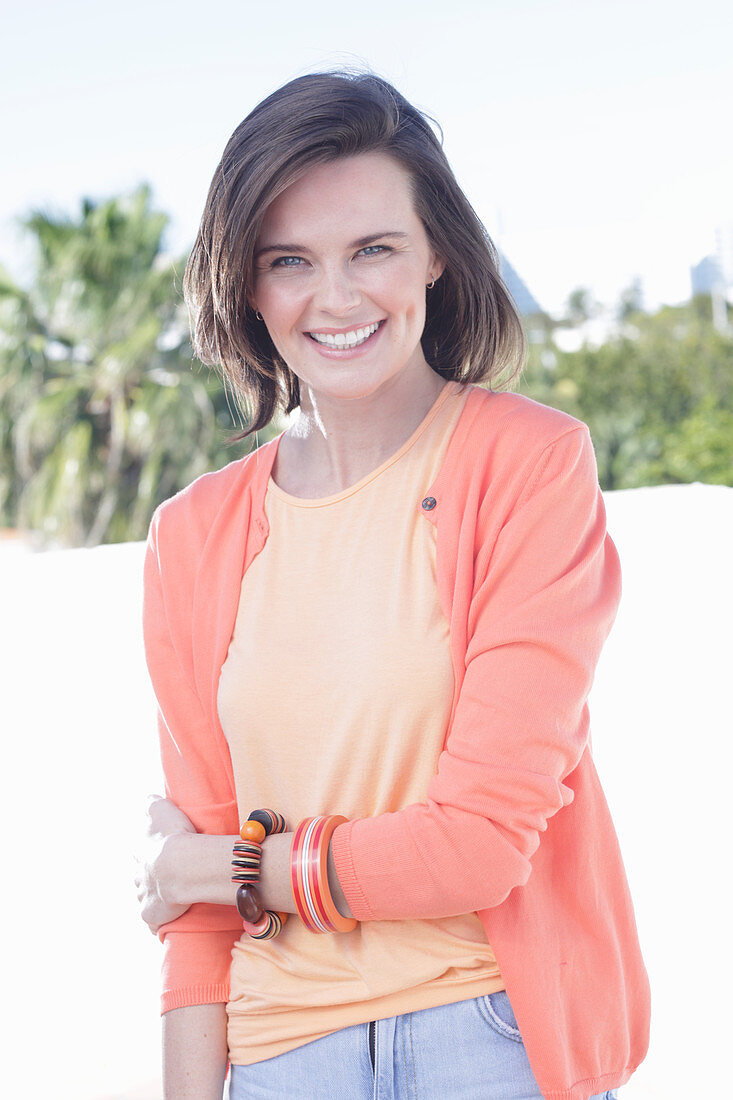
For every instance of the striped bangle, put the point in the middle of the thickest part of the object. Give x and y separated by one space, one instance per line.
309 876
261 924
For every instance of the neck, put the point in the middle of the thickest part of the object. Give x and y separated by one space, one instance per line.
334 442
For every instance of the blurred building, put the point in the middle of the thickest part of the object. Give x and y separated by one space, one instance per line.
706 276
526 303
713 275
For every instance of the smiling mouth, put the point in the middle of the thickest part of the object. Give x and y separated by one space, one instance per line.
345 340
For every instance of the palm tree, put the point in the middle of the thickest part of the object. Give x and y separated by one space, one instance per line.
102 413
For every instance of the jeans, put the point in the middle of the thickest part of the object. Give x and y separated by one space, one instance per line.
471 1050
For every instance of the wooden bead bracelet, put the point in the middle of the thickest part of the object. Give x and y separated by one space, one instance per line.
259 923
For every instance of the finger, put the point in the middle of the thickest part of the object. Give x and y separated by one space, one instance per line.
152 805
150 921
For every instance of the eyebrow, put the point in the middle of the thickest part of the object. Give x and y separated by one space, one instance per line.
362 242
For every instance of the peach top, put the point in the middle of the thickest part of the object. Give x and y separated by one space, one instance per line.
335 698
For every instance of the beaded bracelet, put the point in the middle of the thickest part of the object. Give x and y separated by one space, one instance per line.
259 923
309 876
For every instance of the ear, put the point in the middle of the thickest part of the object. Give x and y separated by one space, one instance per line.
437 267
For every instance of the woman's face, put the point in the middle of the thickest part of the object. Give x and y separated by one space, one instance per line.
341 266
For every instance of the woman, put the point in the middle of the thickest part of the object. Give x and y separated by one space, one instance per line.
392 612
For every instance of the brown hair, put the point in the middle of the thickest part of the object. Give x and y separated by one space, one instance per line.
472 330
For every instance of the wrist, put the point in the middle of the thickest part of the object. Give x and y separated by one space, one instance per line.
339 898
201 869
274 885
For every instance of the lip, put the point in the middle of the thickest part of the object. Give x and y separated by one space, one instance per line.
345 352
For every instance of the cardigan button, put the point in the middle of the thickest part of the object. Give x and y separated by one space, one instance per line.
429 503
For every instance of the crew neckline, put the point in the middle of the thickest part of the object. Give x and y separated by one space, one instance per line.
449 389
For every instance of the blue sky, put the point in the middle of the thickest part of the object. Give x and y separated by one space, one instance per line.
591 136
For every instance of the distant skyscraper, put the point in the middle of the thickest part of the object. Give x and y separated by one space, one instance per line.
706 276
526 302
713 275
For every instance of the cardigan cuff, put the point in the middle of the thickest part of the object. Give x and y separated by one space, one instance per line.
194 994
196 968
207 994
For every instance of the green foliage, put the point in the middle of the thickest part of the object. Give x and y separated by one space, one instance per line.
580 306
657 397
103 413
630 300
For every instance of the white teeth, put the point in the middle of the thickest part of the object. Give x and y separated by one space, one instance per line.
345 339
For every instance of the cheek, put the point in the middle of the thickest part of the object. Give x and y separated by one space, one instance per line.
397 294
281 306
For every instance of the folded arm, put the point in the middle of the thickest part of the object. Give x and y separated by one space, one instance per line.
180 867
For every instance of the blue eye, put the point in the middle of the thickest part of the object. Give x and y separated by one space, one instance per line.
373 250
287 261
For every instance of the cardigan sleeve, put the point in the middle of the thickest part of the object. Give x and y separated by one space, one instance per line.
545 593
198 945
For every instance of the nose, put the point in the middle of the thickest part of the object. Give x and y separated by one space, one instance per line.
336 292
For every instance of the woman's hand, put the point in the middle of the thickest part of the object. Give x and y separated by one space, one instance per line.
179 866
157 863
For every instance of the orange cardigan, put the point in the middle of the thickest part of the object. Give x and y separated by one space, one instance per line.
514 825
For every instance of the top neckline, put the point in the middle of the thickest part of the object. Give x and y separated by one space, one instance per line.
450 388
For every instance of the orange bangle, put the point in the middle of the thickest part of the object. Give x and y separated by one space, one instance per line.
309 876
